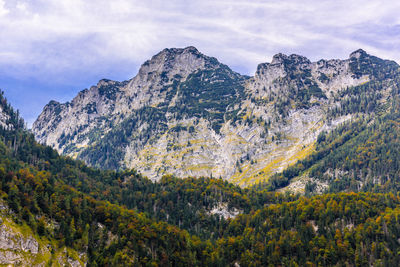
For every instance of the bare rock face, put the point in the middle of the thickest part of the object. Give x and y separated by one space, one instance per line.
15 242
3 118
163 68
21 247
222 210
286 73
187 114
109 102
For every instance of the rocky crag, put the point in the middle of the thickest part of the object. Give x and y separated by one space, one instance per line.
20 246
187 114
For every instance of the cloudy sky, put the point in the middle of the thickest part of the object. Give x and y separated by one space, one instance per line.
54 48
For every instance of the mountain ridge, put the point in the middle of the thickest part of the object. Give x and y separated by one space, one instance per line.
187 114
108 218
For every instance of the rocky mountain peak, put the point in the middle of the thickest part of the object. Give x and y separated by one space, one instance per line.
284 63
52 106
105 82
162 70
358 54
297 59
53 103
280 66
187 114
279 59
177 51
363 64
282 59
179 61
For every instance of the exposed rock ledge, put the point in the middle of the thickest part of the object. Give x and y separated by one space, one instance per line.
222 210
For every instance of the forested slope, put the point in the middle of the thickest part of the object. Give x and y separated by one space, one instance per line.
122 219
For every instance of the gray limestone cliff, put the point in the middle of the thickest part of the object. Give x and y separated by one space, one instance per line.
187 114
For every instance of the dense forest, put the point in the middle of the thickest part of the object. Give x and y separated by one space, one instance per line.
124 219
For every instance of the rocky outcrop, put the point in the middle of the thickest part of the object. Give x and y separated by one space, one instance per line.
3 118
13 246
187 114
222 210
19 246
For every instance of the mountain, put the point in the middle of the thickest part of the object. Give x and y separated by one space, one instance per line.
187 114
362 155
57 211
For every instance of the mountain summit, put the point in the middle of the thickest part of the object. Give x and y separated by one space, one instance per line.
187 114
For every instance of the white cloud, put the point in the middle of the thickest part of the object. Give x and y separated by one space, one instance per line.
50 49
21 6
63 35
3 10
